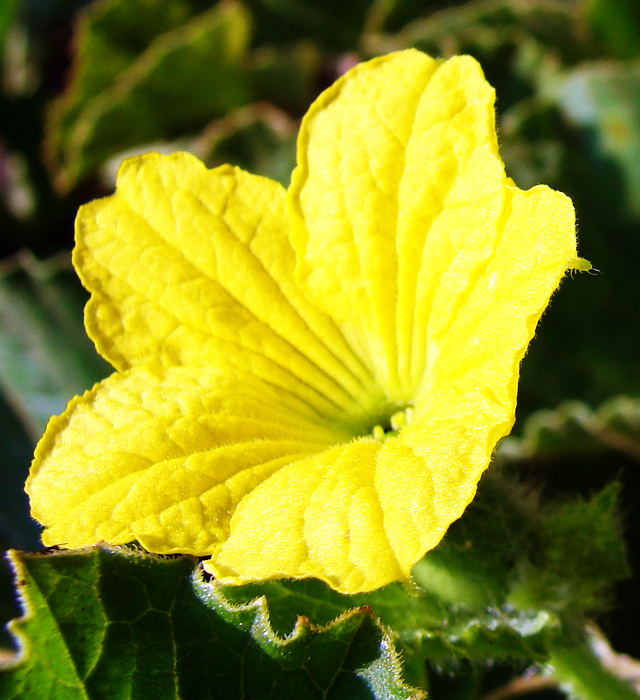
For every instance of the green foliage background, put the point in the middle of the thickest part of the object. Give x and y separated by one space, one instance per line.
553 538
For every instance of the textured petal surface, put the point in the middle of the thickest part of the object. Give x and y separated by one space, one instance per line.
360 515
191 267
164 459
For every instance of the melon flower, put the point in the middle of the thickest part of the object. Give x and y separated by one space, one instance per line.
308 383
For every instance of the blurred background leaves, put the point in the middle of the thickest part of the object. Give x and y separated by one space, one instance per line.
87 83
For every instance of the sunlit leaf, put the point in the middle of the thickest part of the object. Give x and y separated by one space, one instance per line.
108 623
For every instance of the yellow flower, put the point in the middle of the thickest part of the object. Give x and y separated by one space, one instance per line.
311 382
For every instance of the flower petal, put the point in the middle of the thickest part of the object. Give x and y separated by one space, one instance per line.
398 203
164 459
191 461
482 327
181 459
190 267
317 517
231 430
360 515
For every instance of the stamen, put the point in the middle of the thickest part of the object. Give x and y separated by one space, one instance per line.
378 432
397 421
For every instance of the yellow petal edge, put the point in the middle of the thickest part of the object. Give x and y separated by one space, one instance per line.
308 383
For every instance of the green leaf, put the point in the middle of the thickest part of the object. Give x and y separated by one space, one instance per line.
7 12
286 76
617 24
581 673
509 38
577 553
335 24
574 429
115 623
604 97
459 607
423 626
184 77
258 138
570 429
110 36
45 355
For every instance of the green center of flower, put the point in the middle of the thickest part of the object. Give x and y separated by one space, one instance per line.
391 427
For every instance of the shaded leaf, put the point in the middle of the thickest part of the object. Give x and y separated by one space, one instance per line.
576 554
574 429
617 24
45 356
7 12
500 585
618 424
110 36
184 77
567 430
106 623
258 138
17 528
604 97
582 675
531 145
498 33
286 76
334 24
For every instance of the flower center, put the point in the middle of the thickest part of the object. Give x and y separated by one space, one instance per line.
392 427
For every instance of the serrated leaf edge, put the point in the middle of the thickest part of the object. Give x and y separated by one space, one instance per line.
594 422
21 640
264 634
